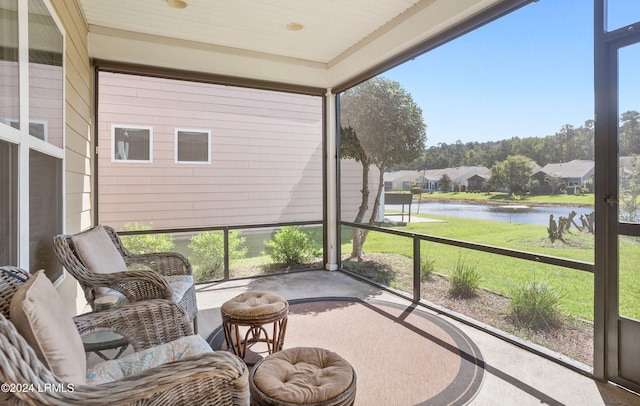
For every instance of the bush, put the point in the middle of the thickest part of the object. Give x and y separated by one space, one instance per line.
465 279
146 243
208 253
535 305
292 246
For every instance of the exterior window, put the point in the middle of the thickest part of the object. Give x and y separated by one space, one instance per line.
132 144
193 146
8 202
37 129
45 211
31 172
45 76
9 69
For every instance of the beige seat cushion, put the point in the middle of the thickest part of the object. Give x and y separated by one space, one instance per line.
97 251
254 303
40 317
303 375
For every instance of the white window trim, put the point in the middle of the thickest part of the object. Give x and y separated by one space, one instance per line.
135 127
195 130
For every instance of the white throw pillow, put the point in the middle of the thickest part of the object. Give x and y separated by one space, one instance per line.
40 317
97 251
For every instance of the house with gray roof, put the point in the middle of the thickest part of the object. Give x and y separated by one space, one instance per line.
577 172
574 173
459 177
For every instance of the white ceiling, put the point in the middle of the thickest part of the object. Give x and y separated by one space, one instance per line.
334 32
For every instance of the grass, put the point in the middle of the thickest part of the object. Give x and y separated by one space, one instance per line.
501 273
584 200
465 279
498 273
535 305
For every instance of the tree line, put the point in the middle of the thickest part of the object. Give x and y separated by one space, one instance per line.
567 144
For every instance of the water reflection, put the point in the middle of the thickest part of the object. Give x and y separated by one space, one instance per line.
522 214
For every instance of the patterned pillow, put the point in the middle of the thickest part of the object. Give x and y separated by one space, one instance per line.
135 363
179 285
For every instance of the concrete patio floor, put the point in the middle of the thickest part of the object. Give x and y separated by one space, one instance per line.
513 376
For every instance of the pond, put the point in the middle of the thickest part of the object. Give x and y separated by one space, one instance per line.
523 214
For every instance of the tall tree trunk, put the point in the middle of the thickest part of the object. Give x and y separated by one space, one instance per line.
376 204
374 215
359 235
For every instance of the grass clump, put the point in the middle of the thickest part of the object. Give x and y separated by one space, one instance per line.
465 279
427 266
535 305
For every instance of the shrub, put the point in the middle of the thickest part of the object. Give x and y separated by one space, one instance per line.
291 246
535 305
208 253
427 265
146 243
465 279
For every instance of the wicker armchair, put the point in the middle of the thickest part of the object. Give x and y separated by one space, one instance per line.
148 275
211 378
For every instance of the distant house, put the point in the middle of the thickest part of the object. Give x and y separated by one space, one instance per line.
573 173
401 180
476 183
430 179
459 177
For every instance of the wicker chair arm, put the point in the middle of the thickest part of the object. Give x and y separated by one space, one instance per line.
136 285
11 278
145 284
143 324
165 263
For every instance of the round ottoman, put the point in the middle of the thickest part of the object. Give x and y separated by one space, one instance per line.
245 319
303 376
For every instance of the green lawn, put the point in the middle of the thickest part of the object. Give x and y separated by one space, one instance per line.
586 199
500 273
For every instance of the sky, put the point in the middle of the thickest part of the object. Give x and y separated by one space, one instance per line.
526 74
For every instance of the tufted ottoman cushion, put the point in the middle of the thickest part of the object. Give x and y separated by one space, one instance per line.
303 376
254 304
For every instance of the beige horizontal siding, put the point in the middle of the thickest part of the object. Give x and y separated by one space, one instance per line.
266 155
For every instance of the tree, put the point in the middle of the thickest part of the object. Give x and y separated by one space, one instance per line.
630 191
630 133
555 181
381 125
512 173
445 183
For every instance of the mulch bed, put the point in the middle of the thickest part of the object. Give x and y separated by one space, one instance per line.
572 337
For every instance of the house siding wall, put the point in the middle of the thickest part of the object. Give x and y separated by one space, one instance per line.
266 155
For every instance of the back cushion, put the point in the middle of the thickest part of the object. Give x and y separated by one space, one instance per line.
40 317
97 251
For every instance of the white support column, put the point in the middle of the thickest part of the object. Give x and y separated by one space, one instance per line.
23 147
332 183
